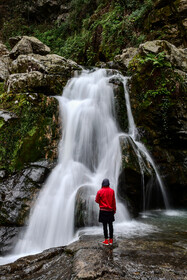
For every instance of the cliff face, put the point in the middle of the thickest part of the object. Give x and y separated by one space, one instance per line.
158 98
167 21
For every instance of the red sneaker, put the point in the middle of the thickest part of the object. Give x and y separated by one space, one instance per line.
105 242
110 241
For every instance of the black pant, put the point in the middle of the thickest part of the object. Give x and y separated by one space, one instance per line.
105 230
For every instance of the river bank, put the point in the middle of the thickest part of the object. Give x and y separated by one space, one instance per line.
160 254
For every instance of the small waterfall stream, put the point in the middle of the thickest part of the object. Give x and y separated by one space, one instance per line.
141 150
88 152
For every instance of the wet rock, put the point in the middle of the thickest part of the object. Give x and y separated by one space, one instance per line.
137 177
29 45
85 207
120 104
18 193
8 237
131 259
51 264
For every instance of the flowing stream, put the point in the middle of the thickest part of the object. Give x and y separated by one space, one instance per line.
88 152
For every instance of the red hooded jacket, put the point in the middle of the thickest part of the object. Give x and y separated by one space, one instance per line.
106 199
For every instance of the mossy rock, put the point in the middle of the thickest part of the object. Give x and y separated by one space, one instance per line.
158 99
33 131
158 95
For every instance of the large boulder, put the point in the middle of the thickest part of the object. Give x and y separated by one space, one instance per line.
126 56
49 64
86 212
176 56
158 98
29 45
26 82
38 73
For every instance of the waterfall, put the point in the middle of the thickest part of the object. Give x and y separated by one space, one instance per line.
141 150
88 152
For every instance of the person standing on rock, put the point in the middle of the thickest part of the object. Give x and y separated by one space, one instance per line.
106 199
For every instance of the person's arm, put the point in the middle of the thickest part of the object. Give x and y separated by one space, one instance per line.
114 203
97 198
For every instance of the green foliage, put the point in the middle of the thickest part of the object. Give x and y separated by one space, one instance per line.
14 27
75 46
1 89
157 60
159 91
94 30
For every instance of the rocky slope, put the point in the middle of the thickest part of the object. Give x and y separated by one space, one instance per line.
91 31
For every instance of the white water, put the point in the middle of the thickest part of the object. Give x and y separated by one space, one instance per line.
89 152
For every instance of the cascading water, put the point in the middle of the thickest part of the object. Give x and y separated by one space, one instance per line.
88 152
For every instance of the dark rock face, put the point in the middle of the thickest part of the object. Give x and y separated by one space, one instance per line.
8 237
167 20
18 193
120 104
158 99
41 9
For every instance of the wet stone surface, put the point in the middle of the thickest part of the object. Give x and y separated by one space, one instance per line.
129 259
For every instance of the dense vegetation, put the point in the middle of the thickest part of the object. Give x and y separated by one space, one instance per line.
93 31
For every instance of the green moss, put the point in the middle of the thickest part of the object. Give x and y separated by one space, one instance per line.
28 135
1 122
